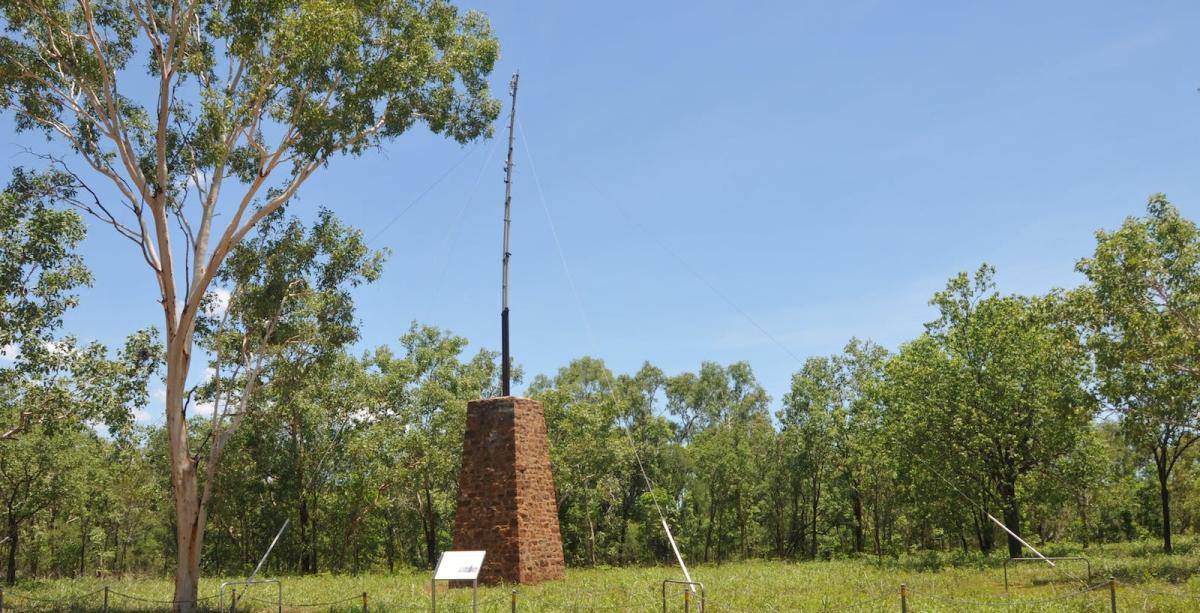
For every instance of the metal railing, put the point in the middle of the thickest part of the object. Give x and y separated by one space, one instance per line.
233 599
687 593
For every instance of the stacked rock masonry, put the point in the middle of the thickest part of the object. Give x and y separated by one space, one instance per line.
506 501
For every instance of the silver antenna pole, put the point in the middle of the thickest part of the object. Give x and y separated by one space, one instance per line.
505 368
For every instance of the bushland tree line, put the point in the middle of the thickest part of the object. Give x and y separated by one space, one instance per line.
1071 416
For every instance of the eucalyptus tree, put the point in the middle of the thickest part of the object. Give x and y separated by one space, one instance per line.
1064 496
724 425
39 273
421 409
133 505
861 441
603 434
39 267
653 474
589 455
285 461
247 101
289 316
615 461
997 385
832 429
1141 314
807 422
921 375
322 414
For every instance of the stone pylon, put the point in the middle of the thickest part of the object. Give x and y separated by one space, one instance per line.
506 501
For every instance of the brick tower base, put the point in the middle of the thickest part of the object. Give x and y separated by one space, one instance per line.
506 502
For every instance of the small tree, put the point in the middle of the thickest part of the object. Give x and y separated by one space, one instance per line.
247 101
1141 314
36 473
589 453
289 317
859 442
725 420
422 408
996 385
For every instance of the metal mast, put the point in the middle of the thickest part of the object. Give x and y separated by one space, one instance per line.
505 370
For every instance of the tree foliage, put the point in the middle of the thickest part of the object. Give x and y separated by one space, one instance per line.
48 380
1141 314
201 119
997 385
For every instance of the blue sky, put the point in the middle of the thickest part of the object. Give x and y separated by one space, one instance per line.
824 166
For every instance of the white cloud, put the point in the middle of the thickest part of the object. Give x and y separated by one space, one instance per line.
55 348
203 409
9 353
221 300
141 416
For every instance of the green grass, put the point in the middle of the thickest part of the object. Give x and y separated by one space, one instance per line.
1146 581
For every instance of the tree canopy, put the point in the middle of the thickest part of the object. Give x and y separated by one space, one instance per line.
201 119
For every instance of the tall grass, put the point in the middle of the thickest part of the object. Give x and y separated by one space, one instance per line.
1146 580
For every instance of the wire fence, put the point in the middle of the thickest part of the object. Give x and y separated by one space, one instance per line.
903 599
877 600
104 599
960 602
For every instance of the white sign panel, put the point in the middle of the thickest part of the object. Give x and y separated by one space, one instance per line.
459 566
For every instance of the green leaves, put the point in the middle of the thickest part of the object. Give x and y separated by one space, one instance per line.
1140 314
344 75
995 388
420 413
52 381
39 269
1142 306
290 289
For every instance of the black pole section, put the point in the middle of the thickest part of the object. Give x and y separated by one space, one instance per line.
505 366
505 374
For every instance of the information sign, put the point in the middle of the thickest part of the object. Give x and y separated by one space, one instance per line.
459 566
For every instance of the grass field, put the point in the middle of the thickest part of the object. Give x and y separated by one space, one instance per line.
1146 581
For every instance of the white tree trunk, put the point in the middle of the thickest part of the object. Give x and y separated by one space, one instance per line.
189 510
